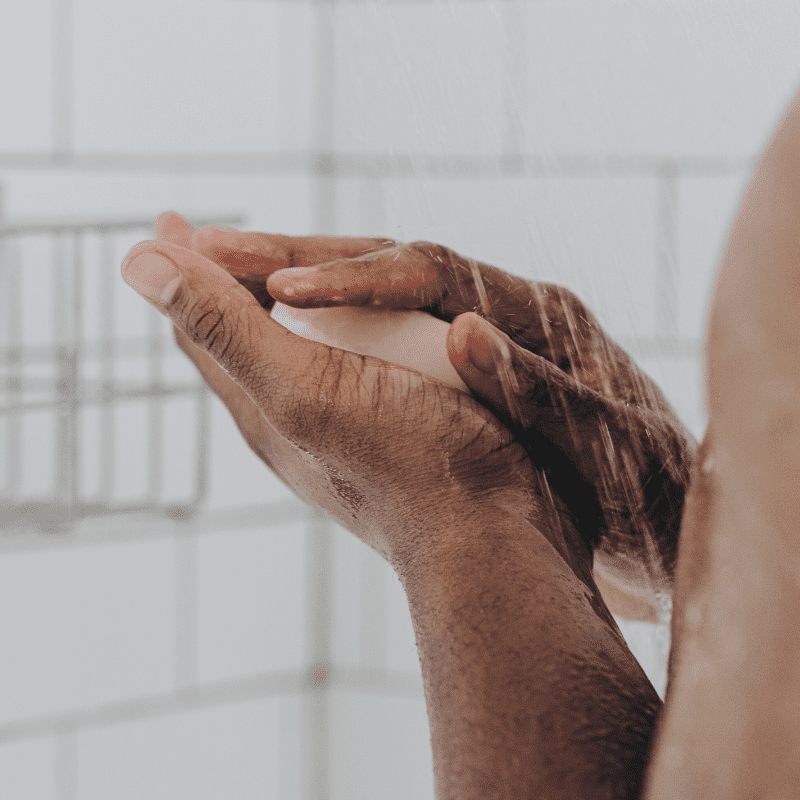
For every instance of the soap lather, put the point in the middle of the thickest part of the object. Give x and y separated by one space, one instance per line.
410 339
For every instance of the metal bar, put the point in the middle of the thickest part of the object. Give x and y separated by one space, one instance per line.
102 225
106 357
13 316
203 424
99 397
75 358
70 394
154 407
129 346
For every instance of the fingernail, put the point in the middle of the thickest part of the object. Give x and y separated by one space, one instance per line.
482 350
297 273
295 280
153 276
216 237
481 354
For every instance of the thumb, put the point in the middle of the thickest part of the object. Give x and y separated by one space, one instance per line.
526 389
494 368
217 314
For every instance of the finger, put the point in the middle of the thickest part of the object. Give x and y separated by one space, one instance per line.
527 389
395 277
543 408
225 321
172 227
257 432
264 253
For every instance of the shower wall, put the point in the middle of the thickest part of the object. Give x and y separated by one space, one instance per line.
254 649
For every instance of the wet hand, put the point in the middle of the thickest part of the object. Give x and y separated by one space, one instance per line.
395 457
602 431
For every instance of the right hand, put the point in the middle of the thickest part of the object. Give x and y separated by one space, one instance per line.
609 443
407 464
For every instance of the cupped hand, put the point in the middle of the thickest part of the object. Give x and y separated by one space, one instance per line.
599 428
407 464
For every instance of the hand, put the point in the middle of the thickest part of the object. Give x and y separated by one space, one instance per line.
531 690
602 431
395 457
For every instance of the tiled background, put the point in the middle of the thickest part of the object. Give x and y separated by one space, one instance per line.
603 145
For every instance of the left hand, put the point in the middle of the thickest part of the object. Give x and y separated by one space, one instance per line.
411 466
601 430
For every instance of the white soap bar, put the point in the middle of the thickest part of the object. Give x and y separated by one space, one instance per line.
411 339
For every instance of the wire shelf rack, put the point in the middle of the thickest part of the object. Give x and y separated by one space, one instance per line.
100 412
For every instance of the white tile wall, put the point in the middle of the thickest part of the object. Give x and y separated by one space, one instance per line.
185 76
251 601
269 202
419 78
371 622
707 209
86 625
381 748
83 626
246 751
27 769
401 643
650 644
348 557
25 40
666 78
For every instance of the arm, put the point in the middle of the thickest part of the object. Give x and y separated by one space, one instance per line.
531 690
732 728
550 373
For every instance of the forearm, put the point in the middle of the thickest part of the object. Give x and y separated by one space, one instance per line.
531 690
731 729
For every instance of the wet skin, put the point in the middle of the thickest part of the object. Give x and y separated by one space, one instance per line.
555 379
531 690
732 722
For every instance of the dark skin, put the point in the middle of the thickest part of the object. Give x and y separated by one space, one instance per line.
731 728
529 690
555 379
497 574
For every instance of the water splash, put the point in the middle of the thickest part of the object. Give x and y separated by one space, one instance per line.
572 340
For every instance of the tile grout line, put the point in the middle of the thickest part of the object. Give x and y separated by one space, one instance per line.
666 323
316 735
66 764
62 91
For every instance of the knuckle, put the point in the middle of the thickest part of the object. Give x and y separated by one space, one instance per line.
435 253
436 265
